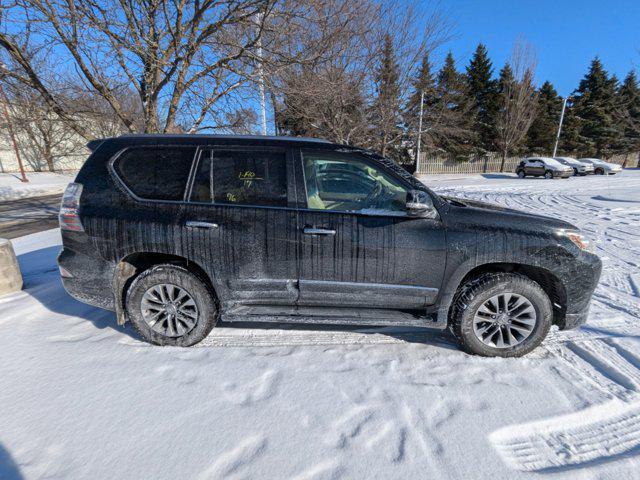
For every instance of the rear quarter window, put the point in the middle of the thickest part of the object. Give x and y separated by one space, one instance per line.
156 173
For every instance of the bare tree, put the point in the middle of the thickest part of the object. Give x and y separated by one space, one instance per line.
339 95
180 57
518 99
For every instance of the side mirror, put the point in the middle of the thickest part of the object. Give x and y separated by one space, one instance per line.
420 204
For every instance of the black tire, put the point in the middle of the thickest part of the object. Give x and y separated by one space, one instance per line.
207 310
521 174
476 292
548 174
575 172
599 171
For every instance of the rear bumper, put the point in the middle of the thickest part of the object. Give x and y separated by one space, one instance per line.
90 279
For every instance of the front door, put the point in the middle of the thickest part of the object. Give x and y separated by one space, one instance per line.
358 246
535 167
242 226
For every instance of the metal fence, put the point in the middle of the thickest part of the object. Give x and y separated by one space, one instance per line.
488 163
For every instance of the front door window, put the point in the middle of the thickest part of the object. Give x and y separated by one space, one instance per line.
347 184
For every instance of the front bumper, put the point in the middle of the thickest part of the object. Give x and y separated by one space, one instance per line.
574 320
563 174
580 278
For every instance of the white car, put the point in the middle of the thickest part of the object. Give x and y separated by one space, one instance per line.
579 167
600 167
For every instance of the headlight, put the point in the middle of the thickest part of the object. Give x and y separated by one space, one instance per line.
578 239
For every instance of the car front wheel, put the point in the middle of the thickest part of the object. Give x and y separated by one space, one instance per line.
548 174
500 315
169 305
599 171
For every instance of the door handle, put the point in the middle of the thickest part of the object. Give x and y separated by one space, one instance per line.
318 231
192 224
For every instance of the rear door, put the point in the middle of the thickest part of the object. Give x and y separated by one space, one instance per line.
242 225
358 246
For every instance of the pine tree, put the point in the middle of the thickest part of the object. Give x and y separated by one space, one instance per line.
482 90
542 134
386 115
423 84
456 110
628 114
595 104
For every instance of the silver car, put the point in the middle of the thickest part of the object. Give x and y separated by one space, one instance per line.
579 167
600 167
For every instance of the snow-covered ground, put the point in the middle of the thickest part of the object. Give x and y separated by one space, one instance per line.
83 398
40 183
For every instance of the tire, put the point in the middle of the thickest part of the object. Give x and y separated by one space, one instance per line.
599 171
548 174
521 174
575 172
202 317
475 294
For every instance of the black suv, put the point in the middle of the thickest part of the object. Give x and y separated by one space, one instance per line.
177 232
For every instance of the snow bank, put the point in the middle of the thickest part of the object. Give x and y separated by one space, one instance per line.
40 183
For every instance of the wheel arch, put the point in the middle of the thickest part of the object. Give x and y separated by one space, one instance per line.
130 266
548 281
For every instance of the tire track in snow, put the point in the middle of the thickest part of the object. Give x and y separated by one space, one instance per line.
598 433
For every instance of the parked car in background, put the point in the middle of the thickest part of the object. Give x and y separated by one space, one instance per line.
600 167
579 168
543 167
175 232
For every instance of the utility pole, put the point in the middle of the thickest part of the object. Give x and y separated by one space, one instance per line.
555 148
263 102
419 133
12 134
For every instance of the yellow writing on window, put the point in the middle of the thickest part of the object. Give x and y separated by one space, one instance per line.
248 177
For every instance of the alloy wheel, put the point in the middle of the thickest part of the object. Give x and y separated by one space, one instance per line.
169 310
504 320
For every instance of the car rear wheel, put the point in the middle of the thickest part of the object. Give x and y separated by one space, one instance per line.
500 315
548 174
169 305
521 174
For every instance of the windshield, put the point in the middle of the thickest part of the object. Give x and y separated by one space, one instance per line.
551 161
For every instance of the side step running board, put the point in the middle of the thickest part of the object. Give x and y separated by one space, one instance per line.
423 322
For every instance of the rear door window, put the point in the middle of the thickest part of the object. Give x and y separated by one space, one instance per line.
241 178
156 173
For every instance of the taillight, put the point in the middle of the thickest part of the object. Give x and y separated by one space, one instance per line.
69 218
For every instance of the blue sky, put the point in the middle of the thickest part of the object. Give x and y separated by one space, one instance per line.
566 34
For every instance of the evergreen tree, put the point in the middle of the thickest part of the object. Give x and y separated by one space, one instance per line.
482 90
628 115
595 105
423 84
505 78
386 115
456 110
542 134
